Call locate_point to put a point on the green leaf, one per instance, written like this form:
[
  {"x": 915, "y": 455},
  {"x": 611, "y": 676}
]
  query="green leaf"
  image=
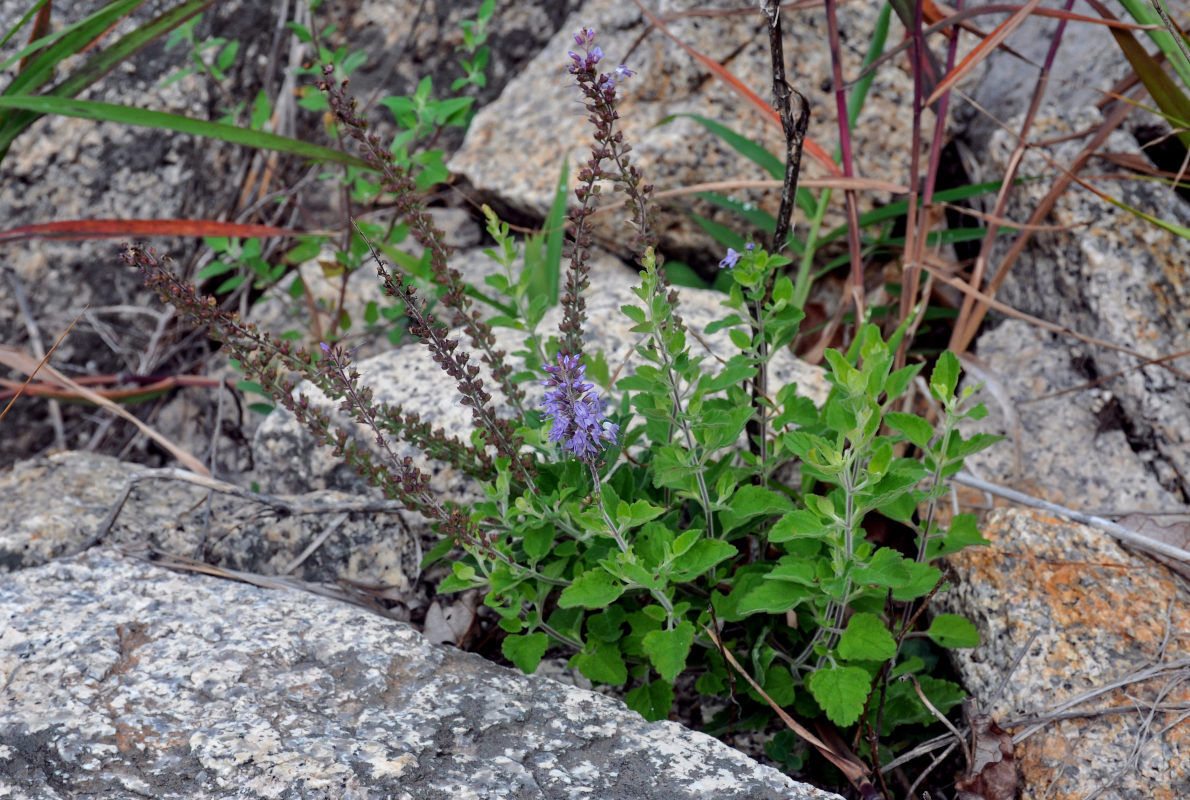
[
  {"x": 866, "y": 639},
  {"x": 605, "y": 625},
  {"x": 736, "y": 372},
  {"x": 700, "y": 558},
  {"x": 887, "y": 568},
  {"x": 952, "y": 630},
  {"x": 652, "y": 700},
  {"x": 525, "y": 651},
  {"x": 538, "y": 541},
  {"x": 604, "y": 665},
  {"x": 841, "y": 692},
  {"x": 945, "y": 377},
  {"x": 922, "y": 580},
  {"x": 740, "y": 339},
  {"x": 773, "y": 597},
  {"x": 719, "y": 428},
  {"x": 904, "y": 707},
  {"x": 801, "y": 524},
  {"x": 595, "y": 588},
  {"x": 753, "y": 501},
  {"x": 964, "y": 532},
  {"x": 899, "y": 380},
  {"x": 127, "y": 115},
  {"x": 638, "y": 513},
  {"x": 794, "y": 570},
  {"x": 917, "y": 429},
  {"x": 778, "y": 684},
  {"x": 667, "y": 650},
  {"x": 634, "y": 313}
]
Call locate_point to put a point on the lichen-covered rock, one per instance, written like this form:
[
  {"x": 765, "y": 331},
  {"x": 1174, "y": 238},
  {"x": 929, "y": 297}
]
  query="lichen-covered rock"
[
  {"x": 122, "y": 679},
  {"x": 1102, "y": 617}
]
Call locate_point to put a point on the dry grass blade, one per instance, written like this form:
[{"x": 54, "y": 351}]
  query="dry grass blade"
[
  {"x": 33, "y": 372},
  {"x": 172, "y": 561},
  {"x": 1014, "y": 163},
  {"x": 23, "y": 362},
  {"x": 965, "y": 328},
  {"x": 942, "y": 273},
  {"x": 1154, "y": 546},
  {"x": 982, "y": 50}
]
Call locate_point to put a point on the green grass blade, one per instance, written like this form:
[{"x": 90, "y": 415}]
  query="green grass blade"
[
  {"x": 1142, "y": 11},
  {"x": 741, "y": 144},
  {"x": 1165, "y": 92},
  {"x": 102, "y": 63},
  {"x": 105, "y": 61},
  {"x": 58, "y": 46},
  {"x": 859, "y": 92},
  {"x": 750, "y": 212},
  {"x": 899, "y": 208},
  {"x": 721, "y": 233},
  {"x": 126, "y": 115},
  {"x": 20, "y": 24}
]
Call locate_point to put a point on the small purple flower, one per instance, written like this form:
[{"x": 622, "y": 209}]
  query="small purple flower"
[
  {"x": 730, "y": 260},
  {"x": 593, "y": 55},
  {"x": 615, "y": 76},
  {"x": 573, "y": 405}
]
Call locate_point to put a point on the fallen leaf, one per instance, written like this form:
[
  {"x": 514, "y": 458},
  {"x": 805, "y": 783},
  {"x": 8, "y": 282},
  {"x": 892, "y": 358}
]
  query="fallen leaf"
[
  {"x": 449, "y": 624},
  {"x": 993, "y": 769}
]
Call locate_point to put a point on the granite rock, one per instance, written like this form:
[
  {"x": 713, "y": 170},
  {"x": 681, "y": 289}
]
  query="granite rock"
[
  {"x": 120, "y": 679},
  {"x": 539, "y": 112},
  {"x": 1101, "y": 616},
  {"x": 1098, "y": 269},
  {"x": 1112, "y": 276},
  {"x": 1069, "y": 448},
  {"x": 55, "y": 506}
]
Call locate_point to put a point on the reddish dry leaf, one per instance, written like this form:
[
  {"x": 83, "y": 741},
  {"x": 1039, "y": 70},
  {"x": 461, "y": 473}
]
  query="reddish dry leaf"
[
  {"x": 108, "y": 228},
  {"x": 981, "y": 51},
  {"x": 993, "y": 773}
]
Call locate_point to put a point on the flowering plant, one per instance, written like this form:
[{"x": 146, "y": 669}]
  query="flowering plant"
[{"x": 698, "y": 515}]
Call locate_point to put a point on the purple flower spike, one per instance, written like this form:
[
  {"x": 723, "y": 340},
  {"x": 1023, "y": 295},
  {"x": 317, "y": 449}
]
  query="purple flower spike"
[
  {"x": 730, "y": 260},
  {"x": 573, "y": 405}
]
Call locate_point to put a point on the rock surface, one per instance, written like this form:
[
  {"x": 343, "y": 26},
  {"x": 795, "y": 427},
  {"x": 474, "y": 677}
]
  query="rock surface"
[
  {"x": 1112, "y": 632},
  {"x": 56, "y": 506},
  {"x": 1072, "y": 448},
  {"x": 1100, "y": 270},
  {"x": 532, "y": 116},
  {"x": 118, "y": 678}
]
